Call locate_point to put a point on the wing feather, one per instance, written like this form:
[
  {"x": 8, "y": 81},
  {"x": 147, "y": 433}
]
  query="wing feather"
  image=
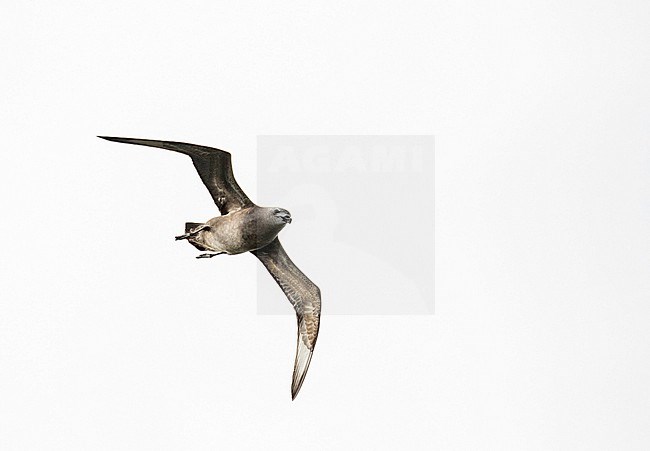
[
  {"x": 305, "y": 298},
  {"x": 214, "y": 167}
]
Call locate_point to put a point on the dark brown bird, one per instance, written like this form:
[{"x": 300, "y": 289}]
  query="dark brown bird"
[{"x": 246, "y": 227}]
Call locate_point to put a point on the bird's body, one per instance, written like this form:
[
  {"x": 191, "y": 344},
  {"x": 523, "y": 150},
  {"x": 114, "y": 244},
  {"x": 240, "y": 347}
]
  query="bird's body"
[
  {"x": 241, "y": 231},
  {"x": 246, "y": 227}
]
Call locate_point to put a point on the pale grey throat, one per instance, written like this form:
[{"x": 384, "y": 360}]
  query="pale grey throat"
[{"x": 246, "y": 227}]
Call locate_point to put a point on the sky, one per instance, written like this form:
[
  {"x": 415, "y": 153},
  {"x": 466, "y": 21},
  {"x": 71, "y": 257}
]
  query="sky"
[{"x": 113, "y": 336}]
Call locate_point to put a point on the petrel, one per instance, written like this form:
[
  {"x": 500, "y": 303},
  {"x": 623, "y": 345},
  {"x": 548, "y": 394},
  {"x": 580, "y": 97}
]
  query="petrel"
[{"x": 246, "y": 227}]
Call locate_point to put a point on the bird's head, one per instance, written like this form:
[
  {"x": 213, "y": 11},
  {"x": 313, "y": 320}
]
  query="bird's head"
[{"x": 281, "y": 215}]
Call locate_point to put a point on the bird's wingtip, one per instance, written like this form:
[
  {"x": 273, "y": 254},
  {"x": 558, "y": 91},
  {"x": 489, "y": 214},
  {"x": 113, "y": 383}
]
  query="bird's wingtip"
[
  {"x": 109, "y": 138},
  {"x": 140, "y": 142},
  {"x": 303, "y": 359}
]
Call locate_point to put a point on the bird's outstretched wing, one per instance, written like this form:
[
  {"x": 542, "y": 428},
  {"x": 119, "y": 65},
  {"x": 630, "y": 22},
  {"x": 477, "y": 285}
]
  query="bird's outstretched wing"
[
  {"x": 304, "y": 295},
  {"x": 213, "y": 166}
]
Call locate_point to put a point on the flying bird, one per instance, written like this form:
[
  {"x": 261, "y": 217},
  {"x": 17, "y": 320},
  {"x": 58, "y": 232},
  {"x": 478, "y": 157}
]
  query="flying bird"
[{"x": 246, "y": 227}]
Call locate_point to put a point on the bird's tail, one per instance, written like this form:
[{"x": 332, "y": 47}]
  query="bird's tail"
[{"x": 191, "y": 225}]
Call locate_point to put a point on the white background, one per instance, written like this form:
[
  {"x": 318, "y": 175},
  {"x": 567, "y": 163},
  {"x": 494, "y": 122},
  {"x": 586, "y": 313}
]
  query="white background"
[
  {"x": 112, "y": 336},
  {"x": 363, "y": 219}
]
